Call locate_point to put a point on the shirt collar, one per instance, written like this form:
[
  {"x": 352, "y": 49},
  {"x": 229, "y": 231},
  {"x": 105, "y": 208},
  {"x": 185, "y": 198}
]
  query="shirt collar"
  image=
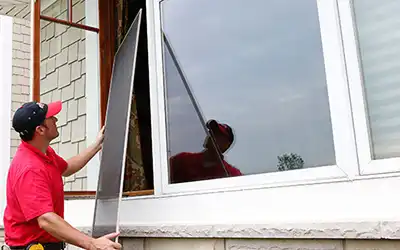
[{"x": 36, "y": 151}]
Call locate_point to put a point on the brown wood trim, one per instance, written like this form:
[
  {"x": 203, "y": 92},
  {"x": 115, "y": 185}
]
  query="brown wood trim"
[
  {"x": 36, "y": 52},
  {"x": 68, "y": 23},
  {"x": 138, "y": 193},
  {"x": 79, "y": 193},
  {"x": 93, "y": 193},
  {"x": 107, "y": 51},
  {"x": 70, "y": 11}
]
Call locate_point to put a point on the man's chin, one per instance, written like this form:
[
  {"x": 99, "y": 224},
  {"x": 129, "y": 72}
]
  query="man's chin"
[{"x": 58, "y": 134}]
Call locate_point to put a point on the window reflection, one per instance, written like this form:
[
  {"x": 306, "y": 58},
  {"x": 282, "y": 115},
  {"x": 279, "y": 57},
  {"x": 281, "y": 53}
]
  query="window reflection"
[{"x": 248, "y": 76}]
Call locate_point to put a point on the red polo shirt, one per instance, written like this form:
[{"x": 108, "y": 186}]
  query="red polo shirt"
[
  {"x": 185, "y": 167},
  {"x": 34, "y": 187}
]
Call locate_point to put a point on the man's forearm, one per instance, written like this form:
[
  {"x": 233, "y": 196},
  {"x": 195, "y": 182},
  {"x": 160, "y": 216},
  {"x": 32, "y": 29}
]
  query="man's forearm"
[
  {"x": 60, "y": 229},
  {"x": 76, "y": 163}
]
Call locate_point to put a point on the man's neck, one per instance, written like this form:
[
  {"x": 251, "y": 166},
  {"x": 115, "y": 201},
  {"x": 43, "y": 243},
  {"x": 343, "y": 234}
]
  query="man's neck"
[
  {"x": 41, "y": 145},
  {"x": 211, "y": 156}
]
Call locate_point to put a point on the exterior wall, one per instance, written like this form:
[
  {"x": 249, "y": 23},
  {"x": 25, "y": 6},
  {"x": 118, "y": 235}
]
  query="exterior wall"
[
  {"x": 63, "y": 77},
  {"x": 1, "y": 236},
  {"x": 16, "y": 81},
  {"x": 20, "y": 72},
  {"x": 239, "y": 244},
  {"x": 255, "y": 244}
]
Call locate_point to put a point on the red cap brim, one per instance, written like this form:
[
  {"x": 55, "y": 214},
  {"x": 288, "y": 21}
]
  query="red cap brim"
[{"x": 53, "y": 109}]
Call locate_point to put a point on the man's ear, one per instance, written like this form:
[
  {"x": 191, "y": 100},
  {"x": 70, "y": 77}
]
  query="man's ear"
[{"x": 39, "y": 130}]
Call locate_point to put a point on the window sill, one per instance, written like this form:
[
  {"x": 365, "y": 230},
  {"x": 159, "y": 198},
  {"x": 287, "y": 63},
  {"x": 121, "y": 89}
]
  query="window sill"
[
  {"x": 330, "y": 230},
  {"x": 362, "y": 208},
  {"x": 79, "y": 195}
]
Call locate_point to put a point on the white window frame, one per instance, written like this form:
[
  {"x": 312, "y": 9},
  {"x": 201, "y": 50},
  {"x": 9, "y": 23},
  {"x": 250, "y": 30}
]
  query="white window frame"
[
  {"x": 340, "y": 111},
  {"x": 368, "y": 165},
  {"x": 92, "y": 90},
  {"x": 251, "y": 212},
  {"x": 6, "y": 65}
]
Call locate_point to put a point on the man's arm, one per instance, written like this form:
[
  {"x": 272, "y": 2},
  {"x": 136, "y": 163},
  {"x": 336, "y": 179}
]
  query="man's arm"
[
  {"x": 76, "y": 163},
  {"x": 60, "y": 229},
  {"x": 32, "y": 190}
]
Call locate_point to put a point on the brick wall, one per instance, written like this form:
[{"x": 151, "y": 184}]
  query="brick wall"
[
  {"x": 63, "y": 77},
  {"x": 20, "y": 69}
]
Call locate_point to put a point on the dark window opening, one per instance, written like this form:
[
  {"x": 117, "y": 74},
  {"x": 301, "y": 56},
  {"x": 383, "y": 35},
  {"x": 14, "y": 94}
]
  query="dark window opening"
[{"x": 139, "y": 161}]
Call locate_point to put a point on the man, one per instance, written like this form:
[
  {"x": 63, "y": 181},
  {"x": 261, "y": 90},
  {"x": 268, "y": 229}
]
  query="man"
[
  {"x": 34, "y": 216},
  {"x": 186, "y": 167}
]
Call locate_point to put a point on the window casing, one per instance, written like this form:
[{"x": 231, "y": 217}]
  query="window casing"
[
  {"x": 355, "y": 34},
  {"x": 347, "y": 103},
  {"x": 340, "y": 112},
  {"x": 248, "y": 201}
]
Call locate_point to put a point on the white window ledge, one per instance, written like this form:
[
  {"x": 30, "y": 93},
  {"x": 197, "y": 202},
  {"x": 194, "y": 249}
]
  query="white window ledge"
[
  {"x": 345, "y": 230},
  {"x": 361, "y": 209}
]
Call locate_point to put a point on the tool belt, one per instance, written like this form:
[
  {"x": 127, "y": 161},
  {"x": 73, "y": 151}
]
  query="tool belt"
[{"x": 41, "y": 246}]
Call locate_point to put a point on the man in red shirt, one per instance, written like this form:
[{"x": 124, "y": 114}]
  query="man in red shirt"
[
  {"x": 34, "y": 215},
  {"x": 186, "y": 167}
]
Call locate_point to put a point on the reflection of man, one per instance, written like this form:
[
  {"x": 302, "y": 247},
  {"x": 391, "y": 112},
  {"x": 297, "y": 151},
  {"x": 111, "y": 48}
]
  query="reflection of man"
[{"x": 185, "y": 167}]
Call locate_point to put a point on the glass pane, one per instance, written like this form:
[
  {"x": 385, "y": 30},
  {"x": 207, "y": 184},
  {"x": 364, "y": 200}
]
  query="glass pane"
[
  {"x": 187, "y": 121},
  {"x": 112, "y": 164},
  {"x": 256, "y": 66},
  {"x": 378, "y": 27},
  {"x": 63, "y": 77}
]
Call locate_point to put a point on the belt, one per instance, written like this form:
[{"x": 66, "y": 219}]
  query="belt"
[{"x": 41, "y": 246}]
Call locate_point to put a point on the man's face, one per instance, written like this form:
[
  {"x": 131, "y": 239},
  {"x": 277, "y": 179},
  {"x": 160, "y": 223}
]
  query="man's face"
[
  {"x": 50, "y": 130},
  {"x": 221, "y": 140}
]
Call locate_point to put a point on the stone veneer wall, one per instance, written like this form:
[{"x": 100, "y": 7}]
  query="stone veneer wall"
[
  {"x": 255, "y": 244},
  {"x": 258, "y": 244},
  {"x": 63, "y": 77}
]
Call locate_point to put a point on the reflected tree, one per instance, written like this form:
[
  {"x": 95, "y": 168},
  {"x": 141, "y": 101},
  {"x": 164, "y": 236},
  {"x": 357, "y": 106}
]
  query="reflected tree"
[{"x": 290, "y": 161}]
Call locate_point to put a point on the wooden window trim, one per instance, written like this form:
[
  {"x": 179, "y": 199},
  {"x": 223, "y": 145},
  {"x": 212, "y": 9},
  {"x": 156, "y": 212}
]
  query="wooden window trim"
[
  {"x": 36, "y": 52},
  {"x": 106, "y": 52},
  {"x": 69, "y": 23},
  {"x": 92, "y": 194}
]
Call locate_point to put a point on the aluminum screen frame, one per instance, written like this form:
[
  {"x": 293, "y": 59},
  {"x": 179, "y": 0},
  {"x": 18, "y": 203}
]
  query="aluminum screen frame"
[
  {"x": 168, "y": 51},
  {"x": 113, "y": 155}
]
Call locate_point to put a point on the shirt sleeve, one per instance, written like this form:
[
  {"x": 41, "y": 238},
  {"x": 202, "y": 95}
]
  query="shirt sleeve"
[
  {"x": 232, "y": 170},
  {"x": 33, "y": 193},
  {"x": 61, "y": 163},
  {"x": 175, "y": 168}
]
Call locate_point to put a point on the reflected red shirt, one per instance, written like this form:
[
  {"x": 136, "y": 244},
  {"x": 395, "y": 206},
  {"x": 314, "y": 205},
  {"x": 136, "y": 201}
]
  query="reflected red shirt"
[
  {"x": 185, "y": 167},
  {"x": 34, "y": 187}
]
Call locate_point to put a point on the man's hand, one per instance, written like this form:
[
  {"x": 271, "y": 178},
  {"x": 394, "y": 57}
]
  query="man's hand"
[
  {"x": 105, "y": 243},
  {"x": 62, "y": 230},
  {"x": 100, "y": 137},
  {"x": 77, "y": 162}
]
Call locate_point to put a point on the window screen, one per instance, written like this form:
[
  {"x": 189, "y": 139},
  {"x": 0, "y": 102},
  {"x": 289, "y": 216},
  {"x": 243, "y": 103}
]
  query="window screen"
[{"x": 112, "y": 163}]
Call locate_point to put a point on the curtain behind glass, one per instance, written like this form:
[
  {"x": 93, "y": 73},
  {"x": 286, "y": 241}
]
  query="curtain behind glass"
[
  {"x": 378, "y": 27},
  {"x": 134, "y": 179}
]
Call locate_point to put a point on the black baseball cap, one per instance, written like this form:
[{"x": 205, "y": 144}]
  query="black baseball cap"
[
  {"x": 221, "y": 128},
  {"x": 32, "y": 114}
]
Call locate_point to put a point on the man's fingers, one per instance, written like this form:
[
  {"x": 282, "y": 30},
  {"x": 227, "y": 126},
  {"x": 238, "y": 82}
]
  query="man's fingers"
[
  {"x": 111, "y": 235},
  {"x": 117, "y": 245}
]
